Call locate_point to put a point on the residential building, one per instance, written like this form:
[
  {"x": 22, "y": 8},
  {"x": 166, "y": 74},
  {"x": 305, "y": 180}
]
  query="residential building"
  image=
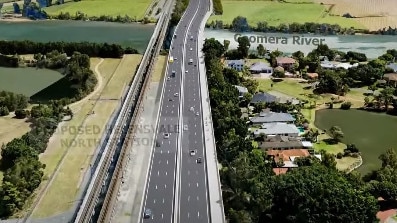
[
  {"x": 235, "y": 64},
  {"x": 312, "y": 76},
  {"x": 241, "y": 91},
  {"x": 263, "y": 98},
  {"x": 271, "y": 117},
  {"x": 260, "y": 67},
  {"x": 286, "y": 158},
  {"x": 392, "y": 66},
  {"x": 391, "y": 78},
  {"x": 286, "y": 62},
  {"x": 277, "y": 128},
  {"x": 332, "y": 65},
  {"x": 284, "y": 142}
]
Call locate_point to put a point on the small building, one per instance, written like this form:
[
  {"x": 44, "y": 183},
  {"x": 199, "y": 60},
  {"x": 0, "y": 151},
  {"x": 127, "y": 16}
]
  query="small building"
[
  {"x": 392, "y": 66},
  {"x": 241, "y": 91},
  {"x": 277, "y": 128},
  {"x": 235, "y": 64},
  {"x": 312, "y": 76},
  {"x": 333, "y": 65},
  {"x": 286, "y": 158},
  {"x": 271, "y": 117},
  {"x": 263, "y": 98},
  {"x": 391, "y": 78},
  {"x": 260, "y": 67},
  {"x": 286, "y": 62}
]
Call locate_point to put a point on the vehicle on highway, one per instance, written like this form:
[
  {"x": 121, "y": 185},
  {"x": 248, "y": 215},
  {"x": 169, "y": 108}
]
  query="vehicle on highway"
[
  {"x": 174, "y": 35},
  {"x": 185, "y": 127},
  {"x": 191, "y": 37},
  {"x": 192, "y": 109},
  {"x": 147, "y": 214},
  {"x": 175, "y": 58},
  {"x": 199, "y": 160},
  {"x": 168, "y": 78},
  {"x": 192, "y": 152},
  {"x": 170, "y": 99},
  {"x": 166, "y": 135},
  {"x": 157, "y": 144},
  {"x": 191, "y": 49},
  {"x": 186, "y": 71},
  {"x": 176, "y": 94},
  {"x": 171, "y": 59},
  {"x": 197, "y": 114},
  {"x": 190, "y": 61}
]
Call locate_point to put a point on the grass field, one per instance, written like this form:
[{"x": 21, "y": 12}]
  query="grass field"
[
  {"x": 159, "y": 69},
  {"x": 62, "y": 192},
  {"x": 275, "y": 13},
  {"x": 374, "y": 14},
  {"x": 133, "y": 8}
]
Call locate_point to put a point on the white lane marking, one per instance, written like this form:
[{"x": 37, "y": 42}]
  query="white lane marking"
[
  {"x": 163, "y": 200},
  {"x": 198, "y": 214},
  {"x": 158, "y": 173},
  {"x": 197, "y": 197},
  {"x": 169, "y": 142},
  {"x": 197, "y": 172},
  {"x": 159, "y": 161},
  {"x": 165, "y": 119},
  {"x": 195, "y": 133},
  {"x": 188, "y": 215},
  {"x": 162, "y": 142},
  {"x": 162, "y": 216},
  {"x": 195, "y": 142},
  {"x": 165, "y": 185},
  {"x": 171, "y": 118},
  {"x": 154, "y": 201},
  {"x": 189, "y": 184},
  {"x": 168, "y": 153},
  {"x": 166, "y": 173},
  {"x": 172, "y": 111},
  {"x": 188, "y": 172},
  {"x": 161, "y": 151},
  {"x": 195, "y": 125},
  {"x": 188, "y": 198},
  {"x": 197, "y": 184},
  {"x": 167, "y": 160}
]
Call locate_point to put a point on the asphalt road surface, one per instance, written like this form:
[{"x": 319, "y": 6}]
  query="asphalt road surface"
[{"x": 170, "y": 182}]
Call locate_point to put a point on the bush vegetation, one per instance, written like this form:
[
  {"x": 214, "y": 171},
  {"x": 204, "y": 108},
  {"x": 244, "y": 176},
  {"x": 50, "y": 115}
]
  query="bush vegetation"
[
  {"x": 218, "y": 9},
  {"x": 179, "y": 9}
]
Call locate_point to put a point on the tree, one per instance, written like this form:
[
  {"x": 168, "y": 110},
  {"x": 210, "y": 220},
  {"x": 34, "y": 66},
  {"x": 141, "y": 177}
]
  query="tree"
[
  {"x": 320, "y": 194},
  {"x": 336, "y": 133},
  {"x": 226, "y": 44},
  {"x": 243, "y": 46},
  {"x": 373, "y": 88},
  {"x": 261, "y": 50},
  {"x": 389, "y": 158},
  {"x": 240, "y": 24}
]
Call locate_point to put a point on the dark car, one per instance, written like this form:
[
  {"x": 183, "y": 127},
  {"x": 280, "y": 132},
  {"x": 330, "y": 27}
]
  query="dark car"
[
  {"x": 199, "y": 160},
  {"x": 147, "y": 214}
]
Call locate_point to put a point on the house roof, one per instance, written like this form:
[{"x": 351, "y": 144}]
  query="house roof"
[
  {"x": 390, "y": 76},
  {"x": 263, "y": 97},
  {"x": 241, "y": 89},
  {"x": 312, "y": 75},
  {"x": 392, "y": 66},
  {"x": 285, "y": 60},
  {"x": 235, "y": 62},
  {"x": 277, "y": 129},
  {"x": 333, "y": 64},
  {"x": 288, "y": 153},
  {"x": 259, "y": 66},
  {"x": 266, "y": 117}
]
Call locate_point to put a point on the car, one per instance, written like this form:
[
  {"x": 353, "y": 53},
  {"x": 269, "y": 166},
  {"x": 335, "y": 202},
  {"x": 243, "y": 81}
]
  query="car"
[
  {"x": 192, "y": 152},
  {"x": 171, "y": 59},
  {"x": 191, "y": 37},
  {"x": 168, "y": 78},
  {"x": 166, "y": 135},
  {"x": 157, "y": 144},
  {"x": 191, "y": 49},
  {"x": 199, "y": 160},
  {"x": 175, "y": 58},
  {"x": 186, "y": 71},
  {"x": 147, "y": 213},
  {"x": 190, "y": 61},
  {"x": 192, "y": 109},
  {"x": 170, "y": 99},
  {"x": 197, "y": 114},
  {"x": 176, "y": 94},
  {"x": 185, "y": 127}
]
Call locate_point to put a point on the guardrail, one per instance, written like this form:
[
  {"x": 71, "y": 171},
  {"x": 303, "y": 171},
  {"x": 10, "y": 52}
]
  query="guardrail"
[
  {"x": 106, "y": 215},
  {"x": 101, "y": 172}
]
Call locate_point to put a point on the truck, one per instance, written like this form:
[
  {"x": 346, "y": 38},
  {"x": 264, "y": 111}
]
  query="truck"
[
  {"x": 171, "y": 59},
  {"x": 190, "y": 61}
]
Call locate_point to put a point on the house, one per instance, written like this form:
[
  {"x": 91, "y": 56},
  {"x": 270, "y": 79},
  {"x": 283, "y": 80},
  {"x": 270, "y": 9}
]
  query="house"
[
  {"x": 277, "y": 128},
  {"x": 286, "y": 158},
  {"x": 271, "y": 117},
  {"x": 260, "y": 67},
  {"x": 281, "y": 142},
  {"x": 264, "y": 98},
  {"x": 391, "y": 78},
  {"x": 235, "y": 64},
  {"x": 241, "y": 91},
  {"x": 312, "y": 76},
  {"x": 286, "y": 62},
  {"x": 332, "y": 65},
  {"x": 392, "y": 66}
]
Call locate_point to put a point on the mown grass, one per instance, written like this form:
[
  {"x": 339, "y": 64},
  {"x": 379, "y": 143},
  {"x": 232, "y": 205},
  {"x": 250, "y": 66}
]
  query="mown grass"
[
  {"x": 133, "y": 8},
  {"x": 276, "y": 13},
  {"x": 159, "y": 68}
]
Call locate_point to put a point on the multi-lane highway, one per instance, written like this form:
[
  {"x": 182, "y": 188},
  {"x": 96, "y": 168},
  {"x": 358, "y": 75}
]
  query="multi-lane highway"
[{"x": 176, "y": 189}]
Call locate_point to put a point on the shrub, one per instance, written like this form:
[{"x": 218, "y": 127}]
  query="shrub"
[
  {"x": 346, "y": 105},
  {"x": 339, "y": 156},
  {"x": 21, "y": 114},
  {"x": 4, "y": 111}
]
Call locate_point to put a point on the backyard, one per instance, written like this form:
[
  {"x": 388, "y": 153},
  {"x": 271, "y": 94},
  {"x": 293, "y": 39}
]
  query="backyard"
[
  {"x": 276, "y": 13},
  {"x": 64, "y": 157},
  {"x": 134, "y": 9}
]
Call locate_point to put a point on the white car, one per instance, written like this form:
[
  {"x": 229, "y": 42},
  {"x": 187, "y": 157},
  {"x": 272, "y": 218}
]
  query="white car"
[
  {"x": 166, "y": 135},
  {"x": 168, "y": 78},
  {"x": 186, "y": 71},
  {"x": 176, "y": 94},
  {"x": 197, "y": 114},
  {"x": 192, "y": 109},
  {"x": 185, "y": 127},
  {"x": 192, "y": 152},
  {"x": 191, "y": 49}
]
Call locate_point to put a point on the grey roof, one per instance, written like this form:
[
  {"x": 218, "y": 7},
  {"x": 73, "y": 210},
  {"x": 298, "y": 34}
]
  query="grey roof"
[
  {"x": 237, "y": 62},
  {"x": 267, "y": 117},
  {"x": 259, "y": 66},
  {"x": 393, "y": 66},
  {"x": 281, "y": 145},
  {"x": 241, "y": 89},
  {"x": 277, "y": 129},
  {"x": 263, "y": 97}
]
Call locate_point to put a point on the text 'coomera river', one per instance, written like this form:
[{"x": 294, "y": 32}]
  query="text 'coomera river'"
[{"x": 296, "y": 40}]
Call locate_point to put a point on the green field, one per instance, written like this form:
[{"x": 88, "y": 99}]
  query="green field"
[
  {"x": 27, "y": 81},
  {"x": 372, "y": 133},
  {"x": 275, "y": 13},
  {"x": 133, "y": 8}
]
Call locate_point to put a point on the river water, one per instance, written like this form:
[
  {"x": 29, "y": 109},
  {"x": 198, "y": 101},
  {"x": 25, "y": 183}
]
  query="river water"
[
  {"x": 372, "y": 45},
  {"x": 134, "y": 35}
]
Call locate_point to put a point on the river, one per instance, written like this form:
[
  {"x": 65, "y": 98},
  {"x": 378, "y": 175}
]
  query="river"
[
  {"x": 372, "y": 45},
  {"x": 134, "y": 35}
]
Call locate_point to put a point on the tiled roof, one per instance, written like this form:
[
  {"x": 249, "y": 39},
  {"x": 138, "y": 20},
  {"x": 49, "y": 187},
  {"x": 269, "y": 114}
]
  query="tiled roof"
[
  {"x": 285, "y": 60},
  {"x": 390, "y": 76},
  {"x": 281, "y": 145},
  {"x": 286, "y": 154}
]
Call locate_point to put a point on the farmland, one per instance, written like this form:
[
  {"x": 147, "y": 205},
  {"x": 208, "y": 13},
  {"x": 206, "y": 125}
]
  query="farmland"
[
  {"x": 373, "y": 14},
  {"x": 134, "y": 9}
]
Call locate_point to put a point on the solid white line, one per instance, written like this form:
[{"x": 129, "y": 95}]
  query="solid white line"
[
  {"x": 163, "y": 200},
  {"x": 197, "y": 197},
  {"x": 156, "y": 187},
  {"x": 154, "y": 201},
  {"x": 167, "y": 160}
]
